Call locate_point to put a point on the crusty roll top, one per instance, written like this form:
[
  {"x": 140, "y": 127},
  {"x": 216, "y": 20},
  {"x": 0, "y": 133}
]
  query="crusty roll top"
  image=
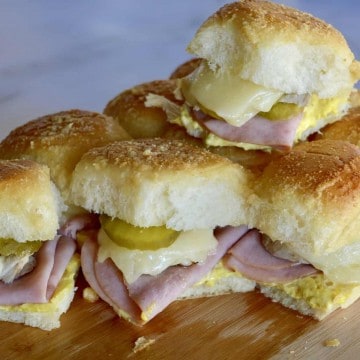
[
  {"x": 28, "y": 201},
  {"x": 59, "y": 140},
  {"x": 277, "y": 47},
  {"x": 310, "y": 197},
  {"x": 161, "y": 182}
]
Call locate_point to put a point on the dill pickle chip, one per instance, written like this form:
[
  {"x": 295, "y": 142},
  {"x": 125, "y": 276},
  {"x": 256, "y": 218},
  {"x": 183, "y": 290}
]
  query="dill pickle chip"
[{"x": 135, "y": 237}]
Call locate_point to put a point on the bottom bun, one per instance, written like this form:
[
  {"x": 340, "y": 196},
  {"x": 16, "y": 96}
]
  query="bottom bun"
[
  {"x": 219, "y": 281},
  {"x": 46, "y": 316},
  {"x": 320, "y": 298}
]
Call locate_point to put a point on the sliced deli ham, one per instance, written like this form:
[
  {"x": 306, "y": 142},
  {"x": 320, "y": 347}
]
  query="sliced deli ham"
[
  {"x": 259, "y": 274},
  {"x": 110, "y": 281},
  {"x": 154, "y": 293},
  {"x": 258, "y": 130},
  {"x": 249, "y": 257},
  {"x": 250, "y": 251},
  {"x": 65, "y": 249},
  {"x": 38, "y": 285},
  {"x": 151, "y": 294}
]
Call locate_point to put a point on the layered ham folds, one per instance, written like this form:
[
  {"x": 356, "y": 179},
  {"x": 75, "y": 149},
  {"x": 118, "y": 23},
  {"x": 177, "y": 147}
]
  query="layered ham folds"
[
  {"x": 249, "y": 257},
  {"x": 146, "y": 297},
  {"x": 258, "y": 130},
  {"x": 39, "y": 285}
]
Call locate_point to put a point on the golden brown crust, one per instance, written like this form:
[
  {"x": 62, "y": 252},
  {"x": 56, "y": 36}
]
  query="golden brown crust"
[
  {"x": 347, "y": 128},
  {"x": 22, "y": 171},
  {"x": 62, "y": 128},
  {"x": 185, "y": 68},
  {"x": 258, "y": 20},
  {"x": 325, "y": 169},
  {"x": 154, "y": 154},
  {"x": 139, "y": 120},
  {"x": 28, "y": 202},
  {"x": 153, "y": 182},
  {"x": 310, "y": 198},
  {"x": 59, "y": 140}
]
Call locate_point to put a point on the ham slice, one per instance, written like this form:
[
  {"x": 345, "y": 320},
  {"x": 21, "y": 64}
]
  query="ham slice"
[
  {"x": 251, "y": 251},
  {"x": 258, "y": 130},
  {"x": 154, "y": 293},
  {"x": 39, "y": 285},
  {"x": 79, "y": 222},
  {"x": 149, "y": 295},
  {"x": 65, "y": 249},
  {"x": 92, "y": 269},
  {"x": 259, "y": 274},
  {"x": 249, "y": 257}
]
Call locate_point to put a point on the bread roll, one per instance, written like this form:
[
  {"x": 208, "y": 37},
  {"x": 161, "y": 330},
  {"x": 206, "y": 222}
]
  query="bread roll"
[
  {"x": 309, "y": 199},
  {"x": 29, "y": 202},
  {"x": 343, "y": 297},
  {"x": 157, "y": 182},
  {"x": 277, "y": 47},
  {"x": 59, "y": 140}
]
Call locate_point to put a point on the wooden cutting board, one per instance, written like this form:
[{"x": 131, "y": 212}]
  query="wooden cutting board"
[{"x": 236, "y": 326}]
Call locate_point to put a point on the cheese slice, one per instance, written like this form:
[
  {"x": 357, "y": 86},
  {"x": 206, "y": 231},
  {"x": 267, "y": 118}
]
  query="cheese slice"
[
  {"x": 190, "y": 247},
  {"x": 233, "y": 99}
]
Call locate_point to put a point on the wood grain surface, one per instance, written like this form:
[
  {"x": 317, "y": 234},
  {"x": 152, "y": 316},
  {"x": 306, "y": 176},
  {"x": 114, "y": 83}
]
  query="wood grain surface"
[{"x": 235, "y": 326}]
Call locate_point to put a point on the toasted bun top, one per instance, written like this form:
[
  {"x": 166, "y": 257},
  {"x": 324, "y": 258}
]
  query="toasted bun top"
[
  {"x": 161, "y": 182},
  {"x": 139, "y": 120},
  {"x": 277, "y": 47},
  {"x": 28, "y": 201},
  {"x": 310, "y": 197},
  {"x": 347, "y": 129},
  {"x": 59, "y": 140}
]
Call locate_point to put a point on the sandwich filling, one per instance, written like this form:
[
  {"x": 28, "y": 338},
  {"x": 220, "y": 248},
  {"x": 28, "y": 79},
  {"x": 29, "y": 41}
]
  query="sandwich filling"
[
  {"x": 137, "y": 251},
  {"x": 33, "y": 278},
  {"x": 280, "y": 273},
  {"x": 225, "y": 110},
  {"x": 139, "y": 298}
]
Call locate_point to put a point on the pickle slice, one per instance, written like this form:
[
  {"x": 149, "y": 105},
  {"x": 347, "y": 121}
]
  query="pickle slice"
[
  {"x": 282, "y": 111},
  {"x": 135, "y": 237}
]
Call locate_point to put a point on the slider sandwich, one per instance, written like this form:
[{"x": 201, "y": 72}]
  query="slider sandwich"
[
  {"x": 169, "y": 212},
  {"x": 270, "y": 76},
  {"x": 304, "y": 248},
  {"x": 37, "y": 266}
]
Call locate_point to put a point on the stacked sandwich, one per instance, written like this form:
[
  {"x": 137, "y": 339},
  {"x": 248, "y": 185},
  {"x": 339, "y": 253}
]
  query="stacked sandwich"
[
  {"x": 37, "y": 266},
  {"x": 197, "y": 185},
  {"x": 263, "y": 79}
]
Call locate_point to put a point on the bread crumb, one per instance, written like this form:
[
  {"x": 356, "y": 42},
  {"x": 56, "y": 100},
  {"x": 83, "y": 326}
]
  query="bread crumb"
[
  {"x": 141, "y": 343},
  {"x": 292, "y": 351},
  {"x": 332, "y": 342},
  {"x": 90, "y": 295}
]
